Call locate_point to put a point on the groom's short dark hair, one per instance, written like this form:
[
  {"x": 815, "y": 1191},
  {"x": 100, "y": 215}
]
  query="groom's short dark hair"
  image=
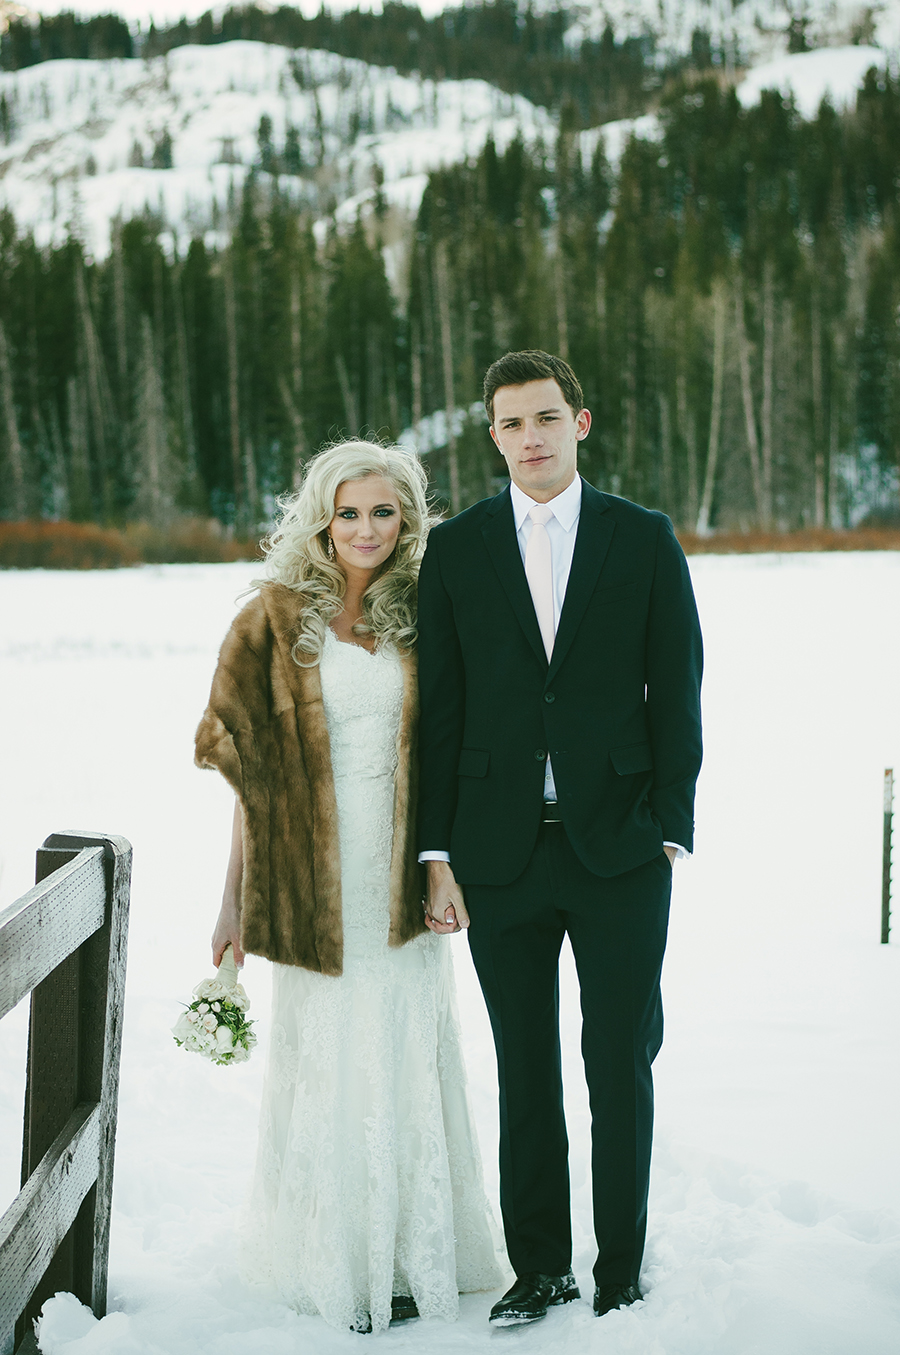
[{"x": 532, "y": 364}]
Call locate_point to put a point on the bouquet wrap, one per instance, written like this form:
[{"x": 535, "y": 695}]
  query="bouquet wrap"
[{"x": 215, "y": 1024}]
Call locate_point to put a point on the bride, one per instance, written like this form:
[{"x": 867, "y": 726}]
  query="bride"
[{"x": 367, "y": 1203}]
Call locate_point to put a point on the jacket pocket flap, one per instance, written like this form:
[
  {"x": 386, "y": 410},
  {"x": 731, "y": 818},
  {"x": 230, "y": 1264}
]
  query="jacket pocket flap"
[
  {"x": 473, "y": 762},
  {"x": 634, "y": 757}
]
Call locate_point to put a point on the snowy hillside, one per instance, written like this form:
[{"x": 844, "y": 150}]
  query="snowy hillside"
[
  {"x": 93, "y": 139},
  {"x": 749, "y": 30},
  {"x": 753, "y": 30}
]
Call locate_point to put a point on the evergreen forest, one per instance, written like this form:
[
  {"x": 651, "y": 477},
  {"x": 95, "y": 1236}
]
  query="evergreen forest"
[{"x": 729, "y": 295}]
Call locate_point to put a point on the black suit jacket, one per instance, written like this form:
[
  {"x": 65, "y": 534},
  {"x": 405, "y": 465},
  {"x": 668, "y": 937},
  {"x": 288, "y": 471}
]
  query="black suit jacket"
[{"x": 617, "y": 708}]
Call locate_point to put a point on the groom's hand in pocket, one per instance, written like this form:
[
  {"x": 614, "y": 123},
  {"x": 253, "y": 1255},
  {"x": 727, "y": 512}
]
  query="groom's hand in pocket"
[{"x": 445, "y": 908}]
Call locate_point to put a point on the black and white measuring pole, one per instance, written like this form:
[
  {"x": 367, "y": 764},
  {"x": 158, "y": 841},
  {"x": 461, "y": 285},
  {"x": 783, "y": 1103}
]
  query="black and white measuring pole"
[{"x": 886, "y": 856}]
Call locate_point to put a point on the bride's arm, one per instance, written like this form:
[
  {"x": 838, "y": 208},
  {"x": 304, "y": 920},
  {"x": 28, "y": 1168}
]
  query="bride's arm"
[{"x": 228, "y": 925}]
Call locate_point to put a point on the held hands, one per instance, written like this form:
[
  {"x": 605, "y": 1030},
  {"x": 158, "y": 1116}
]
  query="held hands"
[
  {"x": 671, "y": 853},
  {"x": 445, "y": 909}
]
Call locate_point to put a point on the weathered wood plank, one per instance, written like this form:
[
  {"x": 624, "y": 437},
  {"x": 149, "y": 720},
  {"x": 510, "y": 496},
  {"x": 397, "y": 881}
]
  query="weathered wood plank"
[
  {"x": 39, "y": 930},
  {"x": 44, "y": 1210},
  {"x": 103, "y": 961}
]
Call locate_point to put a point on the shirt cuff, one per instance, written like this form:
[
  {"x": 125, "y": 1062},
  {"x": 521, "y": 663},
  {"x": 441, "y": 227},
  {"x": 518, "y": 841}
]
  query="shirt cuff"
[
  {"x": 435, "y": 856},
  {"x": 679, "y": 850}
]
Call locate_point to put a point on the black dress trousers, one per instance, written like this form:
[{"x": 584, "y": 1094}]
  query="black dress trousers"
[{"x": 617, "y": 929}]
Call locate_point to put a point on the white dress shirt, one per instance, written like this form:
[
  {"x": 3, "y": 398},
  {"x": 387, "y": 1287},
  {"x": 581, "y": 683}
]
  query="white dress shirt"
[{"x": 562, "y": 529}]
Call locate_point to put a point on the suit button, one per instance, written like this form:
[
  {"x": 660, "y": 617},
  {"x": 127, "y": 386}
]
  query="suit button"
[
  {"x": 540, "y": 755},
  {"x": 549, "y": 698}
]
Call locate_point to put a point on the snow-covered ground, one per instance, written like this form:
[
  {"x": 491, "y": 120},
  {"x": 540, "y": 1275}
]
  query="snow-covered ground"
[
  {"x": 78, "y": 126},
  {"x": 775, "y": 1207},
  {"x": 833, "y": 72}
]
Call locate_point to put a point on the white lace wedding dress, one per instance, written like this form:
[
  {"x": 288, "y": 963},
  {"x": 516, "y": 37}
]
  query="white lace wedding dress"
[{"x": 368, "y": 1178}]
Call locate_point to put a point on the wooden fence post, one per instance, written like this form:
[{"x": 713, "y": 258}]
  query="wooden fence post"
[
  {"x": 886, "y": 856},
  {"x": 73, "y": 939}
]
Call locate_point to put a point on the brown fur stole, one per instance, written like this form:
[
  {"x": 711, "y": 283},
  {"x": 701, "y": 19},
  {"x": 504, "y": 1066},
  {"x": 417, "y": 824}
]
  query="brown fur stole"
[{"x": 265, "y": 730}]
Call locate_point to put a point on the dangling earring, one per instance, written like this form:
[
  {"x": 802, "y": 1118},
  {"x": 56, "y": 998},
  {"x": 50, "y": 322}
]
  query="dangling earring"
[{"x": 330, "y": 549}]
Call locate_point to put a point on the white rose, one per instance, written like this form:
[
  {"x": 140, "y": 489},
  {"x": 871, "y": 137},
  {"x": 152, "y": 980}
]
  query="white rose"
[
  {"x": 192, "y": 1017},
  {"x": 210, "y": 1023},
  {"x": 224, "y": 1039},
  {"x": 203, "y": 1008},
  {"x": 182, "y": 1028},
  {"x": 217, "y": 1006}
]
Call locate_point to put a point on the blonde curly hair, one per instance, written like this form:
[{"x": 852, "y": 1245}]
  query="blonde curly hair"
[{"x": 297, "y": 550}]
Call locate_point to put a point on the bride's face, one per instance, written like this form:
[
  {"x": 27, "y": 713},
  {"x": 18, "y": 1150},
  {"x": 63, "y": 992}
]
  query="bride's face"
[{"x": 366, "y": 523}]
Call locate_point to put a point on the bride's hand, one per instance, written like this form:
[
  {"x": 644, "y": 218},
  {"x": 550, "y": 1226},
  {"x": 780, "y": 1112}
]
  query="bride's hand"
[
  {"x": 227, "y": 929},
  {"x": 445, "y": 908}
]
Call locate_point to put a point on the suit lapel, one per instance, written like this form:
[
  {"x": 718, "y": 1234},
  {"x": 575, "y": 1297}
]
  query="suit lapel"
[
  {"x": 595, "y": 531},
  {"x": 499, "y": 534}
]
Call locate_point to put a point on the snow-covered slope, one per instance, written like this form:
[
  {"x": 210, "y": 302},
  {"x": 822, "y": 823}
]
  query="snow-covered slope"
[
  {"x": 79, "y": 126},
  {"x": 749, "y": 31},
  {"x": 92, "y": 140}
]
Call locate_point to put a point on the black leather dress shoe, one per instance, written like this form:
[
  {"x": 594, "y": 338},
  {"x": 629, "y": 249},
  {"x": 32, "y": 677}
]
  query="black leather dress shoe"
[
  {"x": 531, "y": 1296},
  {"x": 609, "y": 1296},
  {"x": 403, "y": 1308}
]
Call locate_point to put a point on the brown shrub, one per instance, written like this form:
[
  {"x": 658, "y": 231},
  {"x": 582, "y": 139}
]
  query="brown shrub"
[
  {"x": 83, "y": 545},
  {"x": 63, "y": 545},
  {"x": 188, "y": 541},
  {"x": 811, "y": 539}
]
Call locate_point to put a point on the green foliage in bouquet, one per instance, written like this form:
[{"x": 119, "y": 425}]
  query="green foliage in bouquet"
[{"x": 215, "y": 1023}]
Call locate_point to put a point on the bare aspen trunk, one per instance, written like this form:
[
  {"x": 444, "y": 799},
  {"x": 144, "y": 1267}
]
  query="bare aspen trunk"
[
  {"x": 665, "y": 438},
  {"x": 687, "y": 429},
  {"x": 562, "y": 318},
  {"x": 293, "y": 395},
  {"x": 153, "y": 499},
  {"x": 819, "y": 447},
  {"x": 252, "y": 485},
  {"x": 631, "y": 419},
  {"x": 715, "y": 420},
  {"x": 97, "y": 388},
  {"x": 442, "y": 292},
  {"x": 120, "y": 319},
  {"x": 374, "y": 377},
  {"x": 234, "y": 412},
  {"x": 768, "y": 391},
  {"x": 62, "y": 506},
  {"x": 393, "y": 399},
  {"x": 15, "y": 460},
  {"x": 415, "y": 359},
  {"x": 834, "y": 420},
  {"x": 80, "y": 498},
  {"x": 191, "y": 471},
  {"x": 293, "y": 414},
  {"x": 351, "y": 412},
  {"x": 747, "y": 398}
]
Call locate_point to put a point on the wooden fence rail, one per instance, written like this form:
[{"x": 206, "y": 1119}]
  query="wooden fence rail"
[{"x": 65, "y": 943}]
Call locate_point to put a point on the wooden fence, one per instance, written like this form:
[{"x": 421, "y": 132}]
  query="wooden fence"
[{"x": 65, "y": 942}]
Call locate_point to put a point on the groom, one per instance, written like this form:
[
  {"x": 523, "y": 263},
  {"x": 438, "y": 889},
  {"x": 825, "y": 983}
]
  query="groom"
[{"x": 560, "y": 662}]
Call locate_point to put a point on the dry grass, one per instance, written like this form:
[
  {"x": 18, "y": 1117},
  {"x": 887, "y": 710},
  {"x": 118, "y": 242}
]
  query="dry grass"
[
  {"x": 83, "y": 545},
  {"x": 811, "y": 539},
  {"x": 63, "y": 545}
]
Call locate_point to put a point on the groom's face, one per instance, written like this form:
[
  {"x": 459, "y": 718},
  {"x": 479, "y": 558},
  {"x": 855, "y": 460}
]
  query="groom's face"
[{"x": 538, "y": 435}]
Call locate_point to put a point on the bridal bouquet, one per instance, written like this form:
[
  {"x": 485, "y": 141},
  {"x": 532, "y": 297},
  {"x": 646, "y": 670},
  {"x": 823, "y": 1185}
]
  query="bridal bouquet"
[{"x": 215, "y": 1024}]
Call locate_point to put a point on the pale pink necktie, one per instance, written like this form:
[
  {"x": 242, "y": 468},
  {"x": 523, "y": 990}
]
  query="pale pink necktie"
[{"x": 539, "y": 572}]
